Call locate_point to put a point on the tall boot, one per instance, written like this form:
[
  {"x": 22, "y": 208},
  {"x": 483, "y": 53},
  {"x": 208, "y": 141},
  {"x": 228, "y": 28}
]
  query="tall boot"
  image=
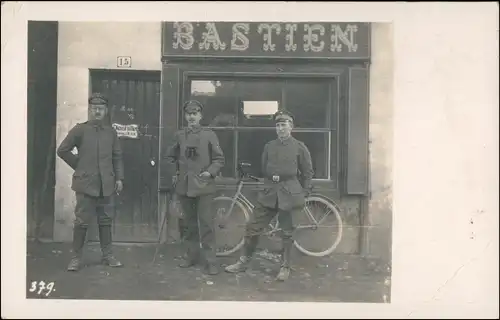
[
  {"x": 285, "y": 260},
  {"x": 210, "y": 267},
  {"x": 192, "y": 256},
  {"x": 79, "y": 234},
  {"x": 248, "y": 250},
  {"x": 105, "y": 240}
]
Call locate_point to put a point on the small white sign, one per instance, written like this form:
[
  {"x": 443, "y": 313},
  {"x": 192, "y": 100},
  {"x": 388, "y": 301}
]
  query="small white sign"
[
  {"x": 124, "y": 62},
  {"x": 127, "y": 130},
  {"x": 260, "y": 108}
]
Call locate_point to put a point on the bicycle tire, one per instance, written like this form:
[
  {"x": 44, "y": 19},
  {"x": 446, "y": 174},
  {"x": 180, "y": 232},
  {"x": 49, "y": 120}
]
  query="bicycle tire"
[
  {"x": 332, "y": 206},
  {"x": 246, "y": 214}
]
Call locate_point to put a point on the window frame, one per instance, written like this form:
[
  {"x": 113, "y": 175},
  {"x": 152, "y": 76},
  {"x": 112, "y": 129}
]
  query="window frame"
[{"x": 335, "y": 95}]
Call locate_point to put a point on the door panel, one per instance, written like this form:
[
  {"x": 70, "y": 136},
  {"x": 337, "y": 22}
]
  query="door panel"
[{"x": 134, "y": 103}]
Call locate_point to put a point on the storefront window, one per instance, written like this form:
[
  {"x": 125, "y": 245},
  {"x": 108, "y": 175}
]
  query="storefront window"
[
  {"x": 250, "y": 146},
  {"x": 240, "y": 113},
  {"x": 308, "y": 100}
]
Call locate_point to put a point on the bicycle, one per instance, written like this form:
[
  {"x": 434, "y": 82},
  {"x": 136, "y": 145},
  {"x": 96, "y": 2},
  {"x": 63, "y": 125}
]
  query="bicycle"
[{"x": 244, "y": 208}]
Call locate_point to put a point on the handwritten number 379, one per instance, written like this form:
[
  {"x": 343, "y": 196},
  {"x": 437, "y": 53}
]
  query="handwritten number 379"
[{"x": 41, "y": 286}]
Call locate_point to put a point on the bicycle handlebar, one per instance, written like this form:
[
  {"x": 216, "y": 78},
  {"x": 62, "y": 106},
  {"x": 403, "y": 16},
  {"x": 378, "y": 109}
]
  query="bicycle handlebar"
[
  {"x": 243, "y": 175},
  {"x": 253, "y": 178}
]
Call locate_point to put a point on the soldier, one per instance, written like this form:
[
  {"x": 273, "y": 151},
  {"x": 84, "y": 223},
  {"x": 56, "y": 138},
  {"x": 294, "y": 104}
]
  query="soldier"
[
  {"x": 199, "y": 159},
  {"x": 288, "y": 171},
  {"x": 98, "y": 174}
]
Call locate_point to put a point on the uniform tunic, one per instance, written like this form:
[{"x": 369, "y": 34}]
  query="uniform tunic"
[
  {"x": 97, "y": 166},
  {"x": 290, "y": 160},
  {"x": 209, "y": 157},
  {"x": 196, "y": 193},
  {"x": 99, "y": 161}
]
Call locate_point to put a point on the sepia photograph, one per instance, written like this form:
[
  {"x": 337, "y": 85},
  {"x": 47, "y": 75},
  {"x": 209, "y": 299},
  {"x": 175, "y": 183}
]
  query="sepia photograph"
[
  {"x": 255, "y": 158},
  {"x": 239, "y": 161}
]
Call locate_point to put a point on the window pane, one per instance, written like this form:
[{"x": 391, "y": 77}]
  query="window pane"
[
  {"x": 309, "y": 101},
  {"x": 259, "y": 100},
  {"x": 251, "y": 102},
  {"x": 318, "y": 144},
  {"x": 220, "y": 104},
  {"x": 226, "y": 142},
  {"x": 240, "y": 102},
  {"x": 250, "y": 146}
]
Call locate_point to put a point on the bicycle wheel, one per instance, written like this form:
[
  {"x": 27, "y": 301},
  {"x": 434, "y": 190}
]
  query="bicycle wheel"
[
  {"x": 318, "y": 228},
  {"x": 229, "y": 234}
]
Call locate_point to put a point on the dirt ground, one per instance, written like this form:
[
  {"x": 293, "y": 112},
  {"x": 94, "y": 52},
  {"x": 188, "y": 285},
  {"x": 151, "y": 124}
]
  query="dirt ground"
[{"x": 337, "y": 278}]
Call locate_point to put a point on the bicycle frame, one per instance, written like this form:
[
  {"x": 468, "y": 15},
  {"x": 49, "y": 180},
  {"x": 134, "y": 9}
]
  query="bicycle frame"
[
  {"x": 239, "y": 199},
  {"x": 314, "y": 223},
  {"x": 310, "y": 215},
  {"x": 239, "y": 196}
]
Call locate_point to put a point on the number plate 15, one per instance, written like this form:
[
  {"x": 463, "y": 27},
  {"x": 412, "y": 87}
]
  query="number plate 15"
[{"x": 124, "y": 62}]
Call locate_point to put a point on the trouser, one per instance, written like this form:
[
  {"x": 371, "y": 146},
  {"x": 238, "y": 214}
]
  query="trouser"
[
  {"x": 261, "y": 218},
  {"x": 198, "y": 227},
  {"x": 87, "y": 208},
  {"x": 182, "y": 228}
]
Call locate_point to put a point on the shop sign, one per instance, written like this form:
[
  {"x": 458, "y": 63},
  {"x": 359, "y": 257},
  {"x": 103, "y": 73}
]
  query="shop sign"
[{"x": 336, "y": 40}]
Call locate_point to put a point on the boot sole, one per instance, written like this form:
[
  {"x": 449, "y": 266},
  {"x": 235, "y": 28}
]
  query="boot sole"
[
  {"x": 185, "y": 265},
  {"x": 235, "y": 271},
  {"x": 74, "y": 267},
  {"x": 112, "y": 265},
  {"x": 211, "y": 273},
  {"x": 280, "y": 279}
]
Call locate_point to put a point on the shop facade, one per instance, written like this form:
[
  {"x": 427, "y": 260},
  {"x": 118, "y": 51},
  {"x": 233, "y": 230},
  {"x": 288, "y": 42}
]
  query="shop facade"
[{"x": 336, "y": 78}]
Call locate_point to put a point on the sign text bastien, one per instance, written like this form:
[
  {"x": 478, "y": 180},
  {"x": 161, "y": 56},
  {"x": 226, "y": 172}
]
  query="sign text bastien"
[{"x": 326, "y": 40}]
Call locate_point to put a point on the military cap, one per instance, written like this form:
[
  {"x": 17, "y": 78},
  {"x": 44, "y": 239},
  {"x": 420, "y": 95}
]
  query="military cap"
[
  {"x": 193, "y": 106},
  {"x": 98, "y": 98},
  {"x": 283, "y": 115}
]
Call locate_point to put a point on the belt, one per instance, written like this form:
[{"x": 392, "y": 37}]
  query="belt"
[{"x": 276, "y": 178}]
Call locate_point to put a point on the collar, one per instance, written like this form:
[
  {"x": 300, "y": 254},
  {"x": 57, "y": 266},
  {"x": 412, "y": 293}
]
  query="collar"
[
  {"x": 286, "y": 141},
  {"x": 193, "y": 129},
  {"x": 96, "y": 123}
]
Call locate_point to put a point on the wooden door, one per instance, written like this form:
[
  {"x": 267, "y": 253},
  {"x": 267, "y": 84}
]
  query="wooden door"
[
  {"x": 41, "y": 120},
  {"x": 134, "y": 111}
]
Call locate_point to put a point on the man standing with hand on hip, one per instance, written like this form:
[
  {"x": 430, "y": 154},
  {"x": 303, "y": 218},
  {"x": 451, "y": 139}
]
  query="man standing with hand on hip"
[
  {"x": 288, "y": 171},
  {"x": 98, "y": 175},
  {"x": 199, "y": 159}
]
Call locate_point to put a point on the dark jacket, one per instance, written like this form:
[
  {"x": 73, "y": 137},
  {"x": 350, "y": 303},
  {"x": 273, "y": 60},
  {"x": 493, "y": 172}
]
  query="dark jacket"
[
  {"x": 291, "y": 161},
  {"x": 98, "y": 163},
  {"x": 209, "y": 157}
]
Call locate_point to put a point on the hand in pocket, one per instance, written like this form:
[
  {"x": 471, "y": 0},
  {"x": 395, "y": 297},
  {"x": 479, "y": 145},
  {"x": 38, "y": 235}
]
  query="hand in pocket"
[{"x": 205, "y": 174}]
